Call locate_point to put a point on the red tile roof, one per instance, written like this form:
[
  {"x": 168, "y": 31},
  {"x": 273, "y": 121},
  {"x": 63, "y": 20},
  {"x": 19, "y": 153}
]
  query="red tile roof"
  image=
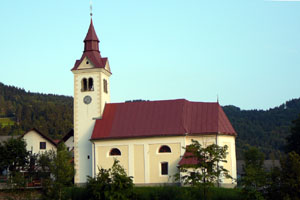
[
  {"x": 188, "y": 159},
  {"x": 161, "y": 118},
  {"x": 91, "y": 50}
]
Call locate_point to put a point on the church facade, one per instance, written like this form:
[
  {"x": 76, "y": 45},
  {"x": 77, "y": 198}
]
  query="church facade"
[{"x": 147, "y": 137}]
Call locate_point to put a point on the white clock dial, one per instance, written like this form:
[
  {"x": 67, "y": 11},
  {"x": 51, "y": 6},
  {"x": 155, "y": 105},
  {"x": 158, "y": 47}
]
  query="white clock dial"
[{"x": 87, "y": 99}]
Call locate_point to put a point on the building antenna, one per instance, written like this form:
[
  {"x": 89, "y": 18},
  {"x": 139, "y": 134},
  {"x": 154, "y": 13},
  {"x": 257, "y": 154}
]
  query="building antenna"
[
  {"x": 217, "y": 98},
  {"x": 91, "y": 8}
]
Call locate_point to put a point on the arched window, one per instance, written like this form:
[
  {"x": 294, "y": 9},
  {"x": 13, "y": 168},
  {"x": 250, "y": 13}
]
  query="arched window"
[
  {"x": 91, "y": 84},
  {"x": 84, "y": 84},
  {"x": 164, "y": 149},
  {"x": 115, "y": 152}
]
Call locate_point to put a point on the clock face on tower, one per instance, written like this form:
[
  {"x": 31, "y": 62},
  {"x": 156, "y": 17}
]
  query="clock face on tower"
[{"x": 87, "y": 99}]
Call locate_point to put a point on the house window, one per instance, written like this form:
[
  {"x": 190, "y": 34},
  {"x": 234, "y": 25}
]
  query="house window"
[
  {"x": 115, "y": 152},
  {"x": 105, "y": 85},
  {"x": 42, "y": 145},
  {"x": 164, "y": 149},
  {"x": 91, "y": 84},
  {"x": 84, "y": 84},
  {"x": 164, "y": 168}
]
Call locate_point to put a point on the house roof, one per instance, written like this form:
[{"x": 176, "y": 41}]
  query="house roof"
[
  {"x": 91, "y": 50},
  {"x": 41, "y": 134},
  {"x": 161, "y": 118},
  {"x": 268, "y": 165},
  {"x": 68, "y": 135}
]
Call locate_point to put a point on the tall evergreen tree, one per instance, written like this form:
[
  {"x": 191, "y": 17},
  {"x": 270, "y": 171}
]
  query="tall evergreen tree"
[{"x": 293, "y": 140}]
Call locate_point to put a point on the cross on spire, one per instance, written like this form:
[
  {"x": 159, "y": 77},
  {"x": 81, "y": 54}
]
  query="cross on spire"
[{"x": 91, "y": 8}]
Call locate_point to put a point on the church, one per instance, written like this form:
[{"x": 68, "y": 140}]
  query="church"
[{"x": 147, "y": 137}]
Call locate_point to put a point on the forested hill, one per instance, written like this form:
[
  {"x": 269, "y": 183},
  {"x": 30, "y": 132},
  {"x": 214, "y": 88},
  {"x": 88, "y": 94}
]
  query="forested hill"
[
  {"x": 21, "y": 111},
  {"x": 265, "y": 129},
  {"x": 53, "y": 115}
]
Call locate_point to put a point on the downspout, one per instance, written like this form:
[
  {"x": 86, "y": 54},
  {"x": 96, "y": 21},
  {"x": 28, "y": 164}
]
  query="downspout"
[
  {"x": 94, "y": 159},
  {"x": 218, "y": 161}
]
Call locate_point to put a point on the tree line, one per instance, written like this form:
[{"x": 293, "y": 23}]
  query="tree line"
[
  {"x": 53, "y": 116},
  {"x": 50, "y": 114},
  {"x": 279, "y": 182}
]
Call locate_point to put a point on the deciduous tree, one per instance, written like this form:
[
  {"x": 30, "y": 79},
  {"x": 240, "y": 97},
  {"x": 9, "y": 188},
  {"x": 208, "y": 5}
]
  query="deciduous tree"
[
  {"x": 254, "y": 179},
  {"x": 208, "y": 169}
]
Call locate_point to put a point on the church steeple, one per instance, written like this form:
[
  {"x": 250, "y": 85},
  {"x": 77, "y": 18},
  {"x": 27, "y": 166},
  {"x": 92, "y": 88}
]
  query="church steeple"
[
  {"x": 91, "y": 52},
  {"x": 91, "y": 93},
  {"x": 91, "y": 41}
]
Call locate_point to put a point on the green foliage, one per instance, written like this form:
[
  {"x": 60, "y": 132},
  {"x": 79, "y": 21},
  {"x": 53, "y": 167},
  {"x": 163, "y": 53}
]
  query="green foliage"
[
  {"x": 266, "y": 129},
  {"x": 255, "y": 176},
  {"x": 164, "y": 193},
  {"x": 76, "y": 193},
  {"x": 6, "y": 121},
  {"x": 290, "y": 176},
  {"x": 61, "y": 169},
  {"x": 293, "y": 140},
  {"x": 13, "y": 155},
  {"x": 51, "y": 114},
  {"x": 110, "y": 183},
  {"x": 186, "y": 193},
  {"x": 207, "y": 170}
]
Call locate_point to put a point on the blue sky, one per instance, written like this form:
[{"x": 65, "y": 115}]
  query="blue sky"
[{"x": 245, "y": 51}]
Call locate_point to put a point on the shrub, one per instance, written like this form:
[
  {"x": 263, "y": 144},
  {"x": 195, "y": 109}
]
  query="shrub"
[{"x": 110, "y": 183}]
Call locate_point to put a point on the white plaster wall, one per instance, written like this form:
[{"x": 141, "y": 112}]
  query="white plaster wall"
[
  {"x": 151, "y": 160},
  {"x": 33, "y": 139},
  {"x": 70, "y": 143},
  {"x": 148, "y": 144},
  {"x": 84, "y": 118},
  {"x": 231, "y": 166}
]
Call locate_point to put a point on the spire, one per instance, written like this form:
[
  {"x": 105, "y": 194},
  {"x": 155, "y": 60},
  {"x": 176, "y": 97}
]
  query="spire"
[{"x": 91, "y": 41}]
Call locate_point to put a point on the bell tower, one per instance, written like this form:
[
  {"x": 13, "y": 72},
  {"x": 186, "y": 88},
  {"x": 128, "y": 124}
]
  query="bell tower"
[{"x": 91, "y": 93}]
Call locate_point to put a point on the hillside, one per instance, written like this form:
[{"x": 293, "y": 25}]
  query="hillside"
[
  {"x": 265, "y": 129},
  {"x": 53, "y": 115},
  {"x": 21, "y": 110}
]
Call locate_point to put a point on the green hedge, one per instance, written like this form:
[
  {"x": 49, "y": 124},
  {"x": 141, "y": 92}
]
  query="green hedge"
[
  {"x": 186, "y": 193},
  {"x": 166, "y": 193}
]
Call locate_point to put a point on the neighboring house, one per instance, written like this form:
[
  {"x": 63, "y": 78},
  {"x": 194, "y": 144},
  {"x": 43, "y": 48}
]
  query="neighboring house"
[
  {"x": 147, "y": 137},
  {"x": 38, "y": 142},
  {"x": 4, "y": 138},
  {"x": 68, "y": 139},
  {"x": 268, "y": 165}
]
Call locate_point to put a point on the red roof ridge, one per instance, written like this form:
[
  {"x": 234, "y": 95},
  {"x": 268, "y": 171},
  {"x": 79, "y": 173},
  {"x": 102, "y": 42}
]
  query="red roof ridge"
[
  {"x": 164, "y": 100},
  {"x": 161, "y": 118}
]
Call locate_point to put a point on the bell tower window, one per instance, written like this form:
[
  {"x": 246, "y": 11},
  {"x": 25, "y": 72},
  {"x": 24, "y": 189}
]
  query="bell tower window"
[
  {"x": 84, "y": 84},
  {"x": 87, "y": 84},
  {"x": 91, "y": 84},
  {"x": 105, "y": 85}
]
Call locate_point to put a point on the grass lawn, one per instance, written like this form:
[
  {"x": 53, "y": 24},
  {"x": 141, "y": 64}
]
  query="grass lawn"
[
  {"x": 186, "y": 193},
  {"x": 6, "y": 121}
]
